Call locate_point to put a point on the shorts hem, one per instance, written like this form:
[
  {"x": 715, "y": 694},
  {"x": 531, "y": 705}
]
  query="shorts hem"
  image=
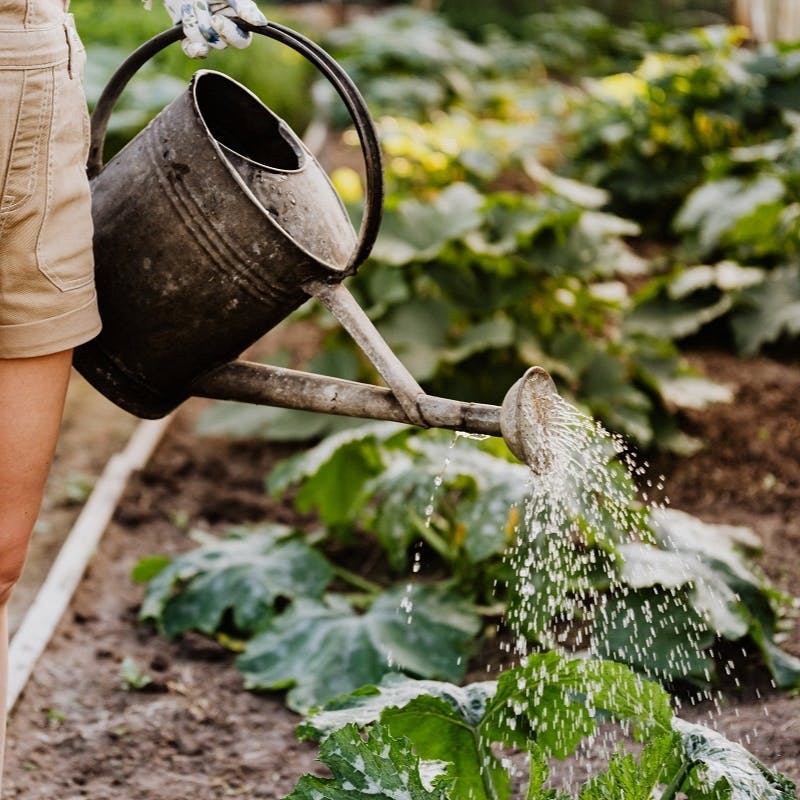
[{"x": 52, "y": 335}]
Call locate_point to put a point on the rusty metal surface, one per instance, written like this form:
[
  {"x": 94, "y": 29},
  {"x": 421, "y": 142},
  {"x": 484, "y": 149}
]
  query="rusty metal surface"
[
  {"x": 191, "y": 268},
  {"x": 212, "y": 226},
  {"x": 286, "y": 388}
]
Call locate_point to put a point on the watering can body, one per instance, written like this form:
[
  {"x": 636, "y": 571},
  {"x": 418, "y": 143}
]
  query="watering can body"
[
  {"x": 212, "y": 226},
  {"x": 207, "y": 226}
]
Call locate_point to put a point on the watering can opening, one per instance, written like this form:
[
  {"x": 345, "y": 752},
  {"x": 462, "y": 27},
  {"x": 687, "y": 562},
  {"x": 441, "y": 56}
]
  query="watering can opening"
[
  {"x": 275, "y": 170},
  {"x": 243, "y": 126}
]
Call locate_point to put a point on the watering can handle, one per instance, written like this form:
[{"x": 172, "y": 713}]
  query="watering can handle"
[{"x": 326, "y": 65}]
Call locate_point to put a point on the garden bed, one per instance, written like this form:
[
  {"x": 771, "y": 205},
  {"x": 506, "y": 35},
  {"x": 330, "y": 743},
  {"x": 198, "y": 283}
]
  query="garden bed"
[{"x": 80, "y": 731}]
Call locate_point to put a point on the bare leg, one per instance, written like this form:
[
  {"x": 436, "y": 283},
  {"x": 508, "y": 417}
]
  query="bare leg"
[{"x": 32, "y": 394}]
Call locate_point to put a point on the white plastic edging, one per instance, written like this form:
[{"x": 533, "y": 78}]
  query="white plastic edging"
[{"x": 55, "y": 594}]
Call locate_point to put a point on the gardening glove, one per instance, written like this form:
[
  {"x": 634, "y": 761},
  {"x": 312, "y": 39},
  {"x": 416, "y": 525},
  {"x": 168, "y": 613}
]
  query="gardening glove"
[{"x": 207, "y": 23}]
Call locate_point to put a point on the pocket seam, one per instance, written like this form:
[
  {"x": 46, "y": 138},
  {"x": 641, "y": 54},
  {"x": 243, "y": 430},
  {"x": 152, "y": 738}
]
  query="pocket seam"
[
  {"x": 49, "y": 272},
  {"x": 29, "y": 189}
]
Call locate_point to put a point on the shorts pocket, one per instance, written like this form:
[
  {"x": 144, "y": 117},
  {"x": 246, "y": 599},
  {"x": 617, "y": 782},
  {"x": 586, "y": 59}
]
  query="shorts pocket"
[
  {"x": 64, "y": 248},
  {"x": 27, "y": 100}
]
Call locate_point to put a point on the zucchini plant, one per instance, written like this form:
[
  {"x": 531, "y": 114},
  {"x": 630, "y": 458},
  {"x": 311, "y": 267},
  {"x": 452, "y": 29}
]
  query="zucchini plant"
[
  {"x": 459, "y": 553},
  {"x": 432, "y": 740}
]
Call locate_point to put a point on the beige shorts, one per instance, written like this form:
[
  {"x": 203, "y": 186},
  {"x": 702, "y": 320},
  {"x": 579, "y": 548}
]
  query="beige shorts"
[{"x": 47, "y": 295}]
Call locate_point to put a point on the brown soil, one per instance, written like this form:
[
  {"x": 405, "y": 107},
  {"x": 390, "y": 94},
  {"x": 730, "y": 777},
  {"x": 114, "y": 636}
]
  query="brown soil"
[{"x": 79, "y": 733}]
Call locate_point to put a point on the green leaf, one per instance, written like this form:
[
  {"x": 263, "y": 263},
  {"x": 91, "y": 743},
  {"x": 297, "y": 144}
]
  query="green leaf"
[
  {"x": 489, "y": 520},
  {"x": 132, "y": 675},
  {"x": 711, "y": 596},
  {"x": 552, "y": 699},
  {"x": 332, "y": 474},
  {"x": 692, "y": 391},
  {"x": 608, "y": 390},
  {"x": 244, "y": 420},
  {"x": 657, "y": 631},
  {"x": 147, "y": 568},
  {"x": 490, "y": 334},
  {"x": 400, "y": 497},
  {"x": 677, "y": 319},
  {"x": 726, "y": 589},
  {"x": 439, "y": 733},
  {"x": 726, "y": 767},
  {"x": 538, "y": 777},
  {"x": 784, "y": 667},
  {"x": 244, "y": 575},
  {"x": 416, "y": 231},
  {"x": 381, "y": 768},
  {"x": 440, "y": 719},
  {"x": 624, "y": 778},
  {"x": 325, "y": 649},
  {"x": 727, "y": 276},
  {"x": 366, "y": 704},
  {"x": 556, "y": 700},
  {"x": 768, "y": 311},
  {"x": 712, "y": 210},
  {"x": 417, "y": 332},
  {"x": 579, "y": 193}
]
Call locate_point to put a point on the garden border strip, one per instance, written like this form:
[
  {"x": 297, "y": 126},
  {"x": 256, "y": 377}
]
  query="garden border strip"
[{"x": 51, "y": 601}]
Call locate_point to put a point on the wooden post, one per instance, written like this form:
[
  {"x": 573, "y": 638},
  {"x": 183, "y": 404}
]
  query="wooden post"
[{"x": 770, "y": 20}]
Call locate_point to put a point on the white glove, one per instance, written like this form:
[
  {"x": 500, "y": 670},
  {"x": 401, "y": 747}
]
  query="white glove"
[{"x": 207, "y": 23}]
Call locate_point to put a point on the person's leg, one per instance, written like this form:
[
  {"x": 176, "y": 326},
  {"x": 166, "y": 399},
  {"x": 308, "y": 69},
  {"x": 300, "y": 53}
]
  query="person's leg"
[{"x": 32, "y": 394}]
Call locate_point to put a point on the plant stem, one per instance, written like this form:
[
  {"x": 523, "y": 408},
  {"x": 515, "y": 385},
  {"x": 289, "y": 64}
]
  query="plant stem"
[
  {"x": 433, "y": 539},
  {"x": 671, "y": 792},
  {"x": 496, "y": 610},
  {"x": 358, "y": 581}
]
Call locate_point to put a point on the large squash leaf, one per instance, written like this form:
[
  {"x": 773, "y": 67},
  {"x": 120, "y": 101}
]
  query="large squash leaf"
[
  {"x": 716, "y": 207},
  {"x": 396, "y": 690},
  {"x": 657, "y": 632},
  {"x": 726, "y": 769},
  {"x": 244, "y": 574},
  {"x": 733, "y": 598},
  {"x": 417, "y": 230},
  {"x": 441, "y": 720},
  {"x": 325, "y": 649},
  {"x": 768, "y": 311},
  {"x": 556, "y": 702},
  {"x": 546, "y": 706},
  {"x": 381, "y": 767}
]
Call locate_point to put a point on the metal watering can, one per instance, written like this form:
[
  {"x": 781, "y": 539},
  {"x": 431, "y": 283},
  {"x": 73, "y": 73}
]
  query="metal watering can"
[{"x": 215, "y": 223}]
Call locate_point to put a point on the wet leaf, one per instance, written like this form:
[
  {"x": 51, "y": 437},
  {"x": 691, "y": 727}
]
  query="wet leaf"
[
  {"x": 331, "y": 474},
  {"x": 245, "y": 575},
  {"x": 727, "y": 769},
  {"x": 366, "y": 704},
  {"x": 557, "y": 700},
  {"x": 325, "y": 649},
  {"x": 381, "y": 767},
  {"x": 552, "y": 700},
  {"x": 624, "y": 778},
  {"x": 657, "y": 631},
  {"x": 440, "y": 719}
]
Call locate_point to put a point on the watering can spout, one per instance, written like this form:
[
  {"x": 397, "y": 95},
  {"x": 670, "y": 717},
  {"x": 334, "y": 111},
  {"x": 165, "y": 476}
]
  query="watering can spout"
[{"x": 523, "y": 419}]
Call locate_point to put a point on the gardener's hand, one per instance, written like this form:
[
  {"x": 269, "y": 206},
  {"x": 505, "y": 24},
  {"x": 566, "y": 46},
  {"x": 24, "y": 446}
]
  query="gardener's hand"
[{"x": 207, "y": 23}]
